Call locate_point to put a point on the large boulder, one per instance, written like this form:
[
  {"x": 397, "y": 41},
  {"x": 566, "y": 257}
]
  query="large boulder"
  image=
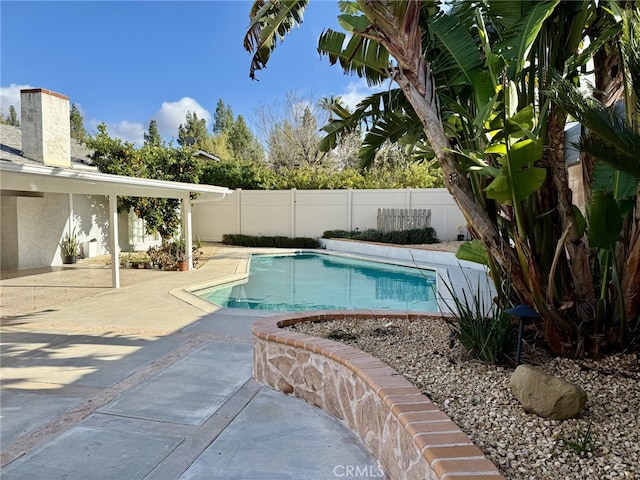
[{"x": 546, "y": 395}]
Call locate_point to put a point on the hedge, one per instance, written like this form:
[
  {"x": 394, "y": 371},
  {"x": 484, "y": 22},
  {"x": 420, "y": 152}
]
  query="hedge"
[
  {"x": 401, "y": 237},
  {"x": 275, "y": 242}
]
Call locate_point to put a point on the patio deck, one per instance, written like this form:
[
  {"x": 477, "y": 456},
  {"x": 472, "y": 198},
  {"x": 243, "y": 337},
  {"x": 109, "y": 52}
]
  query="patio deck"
[{"x": 137, "y": 383}]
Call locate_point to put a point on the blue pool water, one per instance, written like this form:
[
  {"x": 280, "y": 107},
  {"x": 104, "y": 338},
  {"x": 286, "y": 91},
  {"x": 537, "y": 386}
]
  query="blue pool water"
[{"x": 311, "y": 281}]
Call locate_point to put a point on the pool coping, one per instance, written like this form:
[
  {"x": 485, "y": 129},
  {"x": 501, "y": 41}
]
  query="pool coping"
[{"x": 401, "y": 427}]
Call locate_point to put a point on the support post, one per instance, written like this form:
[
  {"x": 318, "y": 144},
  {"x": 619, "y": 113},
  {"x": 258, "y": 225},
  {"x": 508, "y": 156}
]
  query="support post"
[
  {"x": 70, "y": 220},
  {"x": 186, "y": 227},
  {"x": 115, "y": 249}
]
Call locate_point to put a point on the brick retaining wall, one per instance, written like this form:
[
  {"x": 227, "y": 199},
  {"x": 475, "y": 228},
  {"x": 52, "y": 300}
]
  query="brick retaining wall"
[{"x": 406, "y": 432}]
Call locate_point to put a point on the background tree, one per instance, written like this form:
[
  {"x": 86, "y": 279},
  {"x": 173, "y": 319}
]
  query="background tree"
[
  {"x": 220, "y": 147},
  {"x": 11, "y": 118},
  {"x": 152, "y": 136},
  {"x": 344, "y": 154},
  {"x": 290, "y": 130},
  {"x": 161, "y": 215},
  {"x": 77, "y": 124},
  {"x": 196, "y": 128},
  {"x": 243, "y": 143},
  {"x": 244, "y": 174},
  {"x": 222, "y": 118}
]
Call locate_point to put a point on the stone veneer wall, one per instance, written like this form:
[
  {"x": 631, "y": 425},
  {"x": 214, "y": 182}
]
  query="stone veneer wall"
[{"x": 402, "y": 428}]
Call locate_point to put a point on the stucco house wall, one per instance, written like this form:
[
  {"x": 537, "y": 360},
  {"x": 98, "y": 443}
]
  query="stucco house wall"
[
  {"x": 8, "y": 239},
  {"x": 33, "y": 225},
  {"x": 40, "y": 222}
]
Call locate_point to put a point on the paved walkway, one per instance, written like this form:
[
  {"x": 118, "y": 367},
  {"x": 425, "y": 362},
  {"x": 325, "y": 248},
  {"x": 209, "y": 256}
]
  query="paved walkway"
[{"x": 136, "y": 383}]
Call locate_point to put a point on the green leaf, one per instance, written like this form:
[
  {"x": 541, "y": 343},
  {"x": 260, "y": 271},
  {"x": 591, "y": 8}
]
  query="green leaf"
[
  {"x": 473, "y": 251},
  {"x": 516, "y": 49},
  {"x": 605, "y": 221},
  {"x": 608, "y": 179},
  {"x": 524, "y": 183},
  {"x": 270, "y": 22},
  {"x": 366, "y": 58},
  {"x": 581, "y": 222},
  {"x": 483, "y": 87},
  {"x": 353, "y": 23},
  {"x": 524, "y": 152},
  {"x": 500, "y": 190},
  {"x": 527, "y": 181},
  {"x": 524, "y": 118},
  {"x": 511, "y": 99},
  {"x": 500, "y": 149},
  {"x": 616, "y": 142},
  {"x": 457, "y": 40}
]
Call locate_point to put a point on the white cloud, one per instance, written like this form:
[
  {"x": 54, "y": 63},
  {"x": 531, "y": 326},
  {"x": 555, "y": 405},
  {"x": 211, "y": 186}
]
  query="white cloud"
[
  {"x": 128, "y": 131},
  {"x": 172, "y": 114},
  {"x": 11, "y": 96},
  {"x": 357, "y": 91},
  {"x": 125, "y": 130}
]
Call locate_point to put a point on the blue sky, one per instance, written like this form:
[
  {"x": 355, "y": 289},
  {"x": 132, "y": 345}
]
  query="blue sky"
[{"x": 127, "y": 62}]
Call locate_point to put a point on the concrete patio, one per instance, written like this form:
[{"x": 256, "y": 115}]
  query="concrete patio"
[{"x": 137, "y": 383}]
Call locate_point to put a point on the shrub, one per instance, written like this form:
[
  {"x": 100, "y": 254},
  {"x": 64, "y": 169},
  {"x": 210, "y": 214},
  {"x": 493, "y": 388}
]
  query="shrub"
[
  {"x": 483, "y": 329},
  {"x": 167, "y": 255},
  {"x": 338, "y": 234},
  {"x": 400, "y": 237},
  {"x": 275, "y": 242}
]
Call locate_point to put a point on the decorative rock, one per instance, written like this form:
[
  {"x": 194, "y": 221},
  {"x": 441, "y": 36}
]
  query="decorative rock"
[{"x": 546, "y": 395}]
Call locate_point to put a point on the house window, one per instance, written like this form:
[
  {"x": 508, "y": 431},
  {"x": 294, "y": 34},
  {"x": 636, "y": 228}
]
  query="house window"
[{"x": 138, "y": 238}]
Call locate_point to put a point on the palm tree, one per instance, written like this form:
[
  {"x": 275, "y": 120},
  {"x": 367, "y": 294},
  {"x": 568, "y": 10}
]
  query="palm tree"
[
  {"x": 472, "y": 87},
  {"x": 331, "y": 104}
]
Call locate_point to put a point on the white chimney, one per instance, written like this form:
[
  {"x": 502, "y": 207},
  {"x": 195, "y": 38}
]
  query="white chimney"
[{"x": 46, "y": 129}]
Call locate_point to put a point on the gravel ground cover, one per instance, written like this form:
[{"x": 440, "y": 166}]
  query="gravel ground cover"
[{"x": 604, "y": 443}]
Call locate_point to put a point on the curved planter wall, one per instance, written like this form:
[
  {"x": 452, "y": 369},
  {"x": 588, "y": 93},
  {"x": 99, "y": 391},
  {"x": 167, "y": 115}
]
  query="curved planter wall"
[{"x": 402, "y": 428}]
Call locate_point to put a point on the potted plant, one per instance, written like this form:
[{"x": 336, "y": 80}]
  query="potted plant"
[
  {"x": 460, "y": 229},
  {"x": 69, "y": 247},
  {"x": 182, "y": 260},
  {"x": 179, "y": 254},
  {"x": 183, "y": 265}
]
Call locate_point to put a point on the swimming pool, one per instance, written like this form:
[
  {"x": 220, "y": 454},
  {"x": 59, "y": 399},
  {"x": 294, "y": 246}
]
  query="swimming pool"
[{"x": 317, "y": 281}]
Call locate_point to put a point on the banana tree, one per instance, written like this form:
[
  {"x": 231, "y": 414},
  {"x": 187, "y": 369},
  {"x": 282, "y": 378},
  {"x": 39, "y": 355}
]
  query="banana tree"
[
  {"x": 613, "y": 213},
  {"x": 464, "y": 76}
]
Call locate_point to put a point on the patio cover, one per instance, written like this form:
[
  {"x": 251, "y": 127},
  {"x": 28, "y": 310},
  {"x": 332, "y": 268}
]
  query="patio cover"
[{"x": 27, "y": 179}]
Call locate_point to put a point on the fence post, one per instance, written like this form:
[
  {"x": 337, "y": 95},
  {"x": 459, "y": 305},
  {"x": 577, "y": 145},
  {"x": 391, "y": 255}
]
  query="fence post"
[
  {"x": 238, "y": 210},
  {"x": 292, "y": 212},
  {"x": 350, "y": 209}
]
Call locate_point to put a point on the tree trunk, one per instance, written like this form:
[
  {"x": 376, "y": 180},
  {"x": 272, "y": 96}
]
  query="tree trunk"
[
  {"x": 631, "y": 274},
  {"x": 414, "y": 77},
  {"x": 577, "y": 253}
]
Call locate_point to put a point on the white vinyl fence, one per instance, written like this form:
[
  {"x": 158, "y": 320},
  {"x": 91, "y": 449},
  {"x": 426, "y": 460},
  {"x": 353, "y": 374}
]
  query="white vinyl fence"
[{"x": 309, "y": 213}]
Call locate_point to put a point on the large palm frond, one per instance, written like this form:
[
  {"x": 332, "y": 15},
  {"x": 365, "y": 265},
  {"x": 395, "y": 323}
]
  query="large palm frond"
[
  {"x": 393, "y": 128},
  {"x": 271, "y": 21},
  {"x": 361, "y": 56},
  {"x": 458, "y": 42},
  {"x": 368, "y": 111},
  {"x": 622, "y": 141}
]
